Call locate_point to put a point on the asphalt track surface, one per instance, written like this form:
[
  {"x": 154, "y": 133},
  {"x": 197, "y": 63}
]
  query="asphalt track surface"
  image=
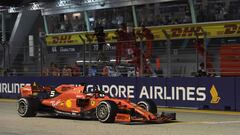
[{"x": 190, "y": 122}]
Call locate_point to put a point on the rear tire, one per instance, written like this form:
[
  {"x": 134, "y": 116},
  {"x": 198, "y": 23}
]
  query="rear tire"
[
  {"x": 148, "y": 105},
  {"x": 27, "y": 107},
  {"x": 106, "y": 111}
]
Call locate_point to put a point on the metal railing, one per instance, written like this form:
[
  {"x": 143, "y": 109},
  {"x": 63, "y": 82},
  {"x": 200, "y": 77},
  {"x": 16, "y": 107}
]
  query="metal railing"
[{"x": 184, "y": 61}]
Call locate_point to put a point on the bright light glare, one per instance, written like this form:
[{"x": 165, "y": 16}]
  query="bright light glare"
[
  {"x": 12, "y": 10},
  {"x": 63, "y": 3},
  {"x": 35, "y": 6}
]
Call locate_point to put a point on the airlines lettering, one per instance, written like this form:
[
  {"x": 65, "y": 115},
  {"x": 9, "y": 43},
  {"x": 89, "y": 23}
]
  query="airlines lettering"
[
  {"x": 175, "y": 93},
  {"x": 12, "y": 88},
  {"x": 156, "y": 92}
]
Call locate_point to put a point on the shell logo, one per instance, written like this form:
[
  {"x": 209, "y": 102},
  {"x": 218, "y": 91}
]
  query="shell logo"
[
  {"x": 68, "y": 103},
  {"x": 93, "y": 103}
]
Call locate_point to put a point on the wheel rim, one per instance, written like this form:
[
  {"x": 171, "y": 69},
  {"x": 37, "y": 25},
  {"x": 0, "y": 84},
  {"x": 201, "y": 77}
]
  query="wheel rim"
[
  {"x": 102, "y": 111},
  {"x": 22, "y": 107}
]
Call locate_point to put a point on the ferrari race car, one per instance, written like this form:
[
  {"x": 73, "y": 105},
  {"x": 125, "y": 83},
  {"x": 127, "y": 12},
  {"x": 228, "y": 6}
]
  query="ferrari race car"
[{"x": 75, "y": 101}]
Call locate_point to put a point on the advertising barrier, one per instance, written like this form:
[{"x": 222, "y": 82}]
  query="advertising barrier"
[
  {"x": 201, "y": 93},
  {"x": 237, "y": 94},
  {"x": 180, "y": 31},
  {"x": 221, "y": 93}
]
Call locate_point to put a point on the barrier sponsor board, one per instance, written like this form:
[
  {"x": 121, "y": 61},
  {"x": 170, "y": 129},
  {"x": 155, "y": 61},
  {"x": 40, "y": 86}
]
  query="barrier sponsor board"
[
  {"x": 221, "y": 92},
  {"x": 182, "y": 31},
  {"x": 211, "y": 93},
  {"x": 237, "y": 94}
]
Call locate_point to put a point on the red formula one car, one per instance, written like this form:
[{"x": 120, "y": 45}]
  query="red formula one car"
[{"x": 75, "y": 101}]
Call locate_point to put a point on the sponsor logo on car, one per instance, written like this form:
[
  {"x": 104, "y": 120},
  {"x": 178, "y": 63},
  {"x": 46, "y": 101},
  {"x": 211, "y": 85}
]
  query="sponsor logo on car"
[{"x": 68, "y": 103}]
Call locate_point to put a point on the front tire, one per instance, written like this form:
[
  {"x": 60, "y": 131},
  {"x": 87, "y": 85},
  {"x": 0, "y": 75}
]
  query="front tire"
[
  {"x": 148, "y": 105},
  {"x": 27, "y": 107},
  {"x": 106, "y": 111}
]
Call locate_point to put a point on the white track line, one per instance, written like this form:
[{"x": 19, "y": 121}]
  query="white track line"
[{"x": 208, "y": 122}]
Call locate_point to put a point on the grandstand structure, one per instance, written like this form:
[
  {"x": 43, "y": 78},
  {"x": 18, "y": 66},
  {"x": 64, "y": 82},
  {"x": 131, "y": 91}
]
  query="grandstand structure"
[{"x": 186, "y": 34}]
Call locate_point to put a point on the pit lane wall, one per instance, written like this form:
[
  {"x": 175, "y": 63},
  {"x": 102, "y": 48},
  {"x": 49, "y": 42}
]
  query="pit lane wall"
[{"x": 201, "y": 93}]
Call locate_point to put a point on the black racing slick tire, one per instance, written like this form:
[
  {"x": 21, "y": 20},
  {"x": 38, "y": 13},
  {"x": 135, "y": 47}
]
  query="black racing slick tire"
[
  {"x": 148, "y": 105},
  {"x": 27, "y": 107},
  {"x": 106, "y": 111}
]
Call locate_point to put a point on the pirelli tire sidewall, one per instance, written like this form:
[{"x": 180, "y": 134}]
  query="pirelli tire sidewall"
[
  {"x": 148, "y": 105},
  {"x": 106, "y": 111},
  {"x": 27, "y": 107}
]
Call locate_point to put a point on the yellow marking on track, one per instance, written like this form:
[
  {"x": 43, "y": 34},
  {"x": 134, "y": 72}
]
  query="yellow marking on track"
[{"x": 8, "y": 100}]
